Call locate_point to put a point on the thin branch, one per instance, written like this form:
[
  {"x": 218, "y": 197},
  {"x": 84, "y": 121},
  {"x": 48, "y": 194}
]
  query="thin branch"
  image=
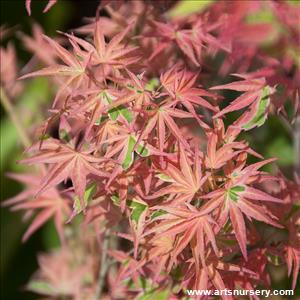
[
  {"x": 104, "y": 263},
  {"x": 6, "y": 103}
]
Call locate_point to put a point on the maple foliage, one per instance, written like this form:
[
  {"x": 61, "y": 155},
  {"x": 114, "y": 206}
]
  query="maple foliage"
[{"x": 144, "y": 153}]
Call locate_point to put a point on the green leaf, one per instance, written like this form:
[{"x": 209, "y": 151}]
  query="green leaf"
[
  {"x": 188, "y": 7},
  {"x": 100, "y": 120},
  {"x": 157, "y": 213},
  {"x": 142, "y": 150},
  {"x": 129, "y": 154},
  {"x": 276, "y": 260},
  {"x": 233, "y": 192},
  {"x": 261, "y": 115},
  {"x": 88, "y": 195},
  {"x": 116, "y": 111},
  {"x": 115, "y": 199},
  {"x": 238, "y": 189},
  {"x": 152, "y": 84},
  {"x": 126, "y": 113},
  {"x": 137, "y": 209},
  {"x": 113, "y": 113},
  {"x": 41, "y": 287},
  {"x": 164, "y": 177}
]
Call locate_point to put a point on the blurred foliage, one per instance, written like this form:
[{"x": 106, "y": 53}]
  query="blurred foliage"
[{"x": 18, "y": 261}]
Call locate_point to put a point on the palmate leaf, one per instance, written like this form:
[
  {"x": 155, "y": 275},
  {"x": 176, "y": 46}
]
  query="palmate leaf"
[
  {"x": 161, "y": 120},
  {"x": 211, "y": 274},
  {"x": 180, "y": 85},
  {"x": 45, "y": 206},
  {"x": 256, "y": 96},
  {"x": 74, "y": 68},
  {"x": 189, "y": 41},
  {"x": 219, "y": 156},
  {"x": 188, "y": 226},
  {"x": 134, "y": 93},
  {"x": 67, "y": 163},
  {"x": 73, "y": 65},
  {"x": 233, "y": 203},
  {"x": 114, "y": 54},
  {"x": 242, "y": 101},
  {"x": 185, "y": 181}
]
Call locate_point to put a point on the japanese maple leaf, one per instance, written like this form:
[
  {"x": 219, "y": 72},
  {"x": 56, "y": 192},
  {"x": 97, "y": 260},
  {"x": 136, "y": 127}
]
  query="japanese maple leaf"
[
  {"x": 169, "y": 34},
  {"x": 255, "y": 97},
  {"x": 48, "y": 204},
  {"x": 186, "y": 40},
  {"x": 188, "y": 226},
  {"x": 134, "y": 92},
  {"x": 113, "y": 53},
  {"x": 67, "y": 163},
  {"x": 190, "y": 41},
  {"x": 139, "y": 87},
  {"x": 257, "y": 262},
  {"x": 55, "y": 272},
  {"x": 74, "y": 68},
  {"x": 122, "y": 149},
  {"x": 180, "y": 85},
  {"x": 160, "y": 119},
  {"x": 203, "y": 277},
  {"x": 108, "y": 129},
  {"x": 47, "y": 8},
  {"x": 130, "y": 270},
  {"x": 159, "y": 253},
  {"x": 216, "y": 158},
  {"x": 185, "y": 180},
  {"x": 38, "y": 45},
  {"x": 233, "y": 202}
]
